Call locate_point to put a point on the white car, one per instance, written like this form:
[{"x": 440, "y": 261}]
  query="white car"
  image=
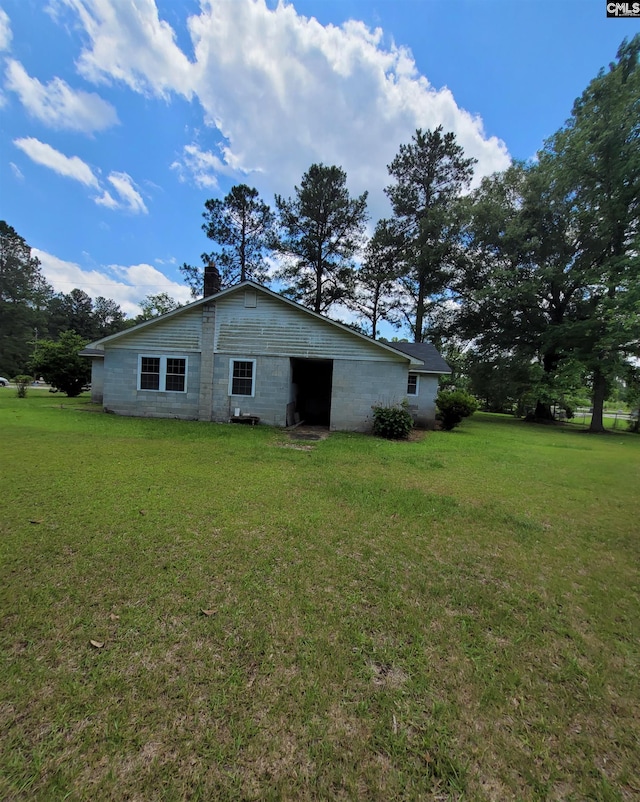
[{"x": 4, "y": 382}]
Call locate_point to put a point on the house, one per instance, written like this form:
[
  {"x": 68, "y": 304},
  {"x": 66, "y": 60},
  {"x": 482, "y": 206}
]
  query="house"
[
  {"x": 422, "y": 381},
  {"x": 247, "y": 353}
]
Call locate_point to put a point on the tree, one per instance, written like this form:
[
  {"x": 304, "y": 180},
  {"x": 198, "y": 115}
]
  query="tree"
[
  {"x": 595, "y": 159},
  {"x": 554, "y": 266},
  {"x": 155, "y": 305},
  {"x": 242, "y": 227},
  {"x": 430, "y": 174},
  {"x": 24, "y": 294},
  {"x": 518, "y": 284},
  {"x": 375, "y": 298},
  {"x": 241, "y": 224},
  {"x": 60, "y": 363},
  {"x": 108, "y": 317},
  {"x": 72, "y": 312},
  {"x": 321, "y": 229},
  {"x": 76, "y": 311}
]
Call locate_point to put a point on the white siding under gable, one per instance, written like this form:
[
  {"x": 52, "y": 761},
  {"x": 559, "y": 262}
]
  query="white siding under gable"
[
  {"x": 275, "y": 328},
  {"x": 181, "y": 332}
]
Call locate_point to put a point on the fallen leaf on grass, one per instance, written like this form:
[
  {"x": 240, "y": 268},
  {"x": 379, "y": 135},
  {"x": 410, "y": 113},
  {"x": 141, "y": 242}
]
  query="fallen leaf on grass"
[
  {"x": 97, "y": 644},
  {"x": 143, "y": 512},
  {"x": 208, "y": 612},
  {"x": 34, "y": 521},
  {"x": 114, "y": 617}
]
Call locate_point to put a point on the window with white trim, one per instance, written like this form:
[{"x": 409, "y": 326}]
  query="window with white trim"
[
  {"x": 412, "y": 384},
  {"x": 162, "y": 373},
  {"x": 242, "y": 377}
]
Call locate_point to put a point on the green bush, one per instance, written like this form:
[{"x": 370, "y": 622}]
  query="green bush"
[
  {"x": 454, "y": 406},
  {"x": 393, "y": 422},
  {"x": 61, "y": 364},
  {"x": 22, "y": 383}
]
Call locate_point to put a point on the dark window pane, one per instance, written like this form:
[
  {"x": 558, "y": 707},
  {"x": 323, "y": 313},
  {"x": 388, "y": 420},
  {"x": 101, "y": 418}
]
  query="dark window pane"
[
  {"x": 150, "y": 373},
  {"x": 176, "y": 369},
  {"x": 150, "y": 364},
  {"x": 242, "y": 382},
  {"x": 149, "y": 381},
  {"x": 412, "y": 385}
]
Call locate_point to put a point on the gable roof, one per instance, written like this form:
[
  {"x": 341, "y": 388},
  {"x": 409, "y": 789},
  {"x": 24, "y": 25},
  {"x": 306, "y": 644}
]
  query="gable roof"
[
  {"x": 431, "y": 359},
  {"x": 95, "y": 349}
]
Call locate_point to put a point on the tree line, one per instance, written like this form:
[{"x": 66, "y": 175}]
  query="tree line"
[
  {"x": 32, "y": 313},
  {"x": 528, "y": 283}
]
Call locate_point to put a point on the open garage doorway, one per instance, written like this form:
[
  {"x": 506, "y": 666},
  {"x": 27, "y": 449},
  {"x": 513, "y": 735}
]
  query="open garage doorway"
[{"x": 311, "y": 391}]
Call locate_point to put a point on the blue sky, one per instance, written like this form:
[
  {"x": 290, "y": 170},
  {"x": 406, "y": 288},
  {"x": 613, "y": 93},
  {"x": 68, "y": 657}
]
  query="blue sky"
[{"x": 121, "y": 117}]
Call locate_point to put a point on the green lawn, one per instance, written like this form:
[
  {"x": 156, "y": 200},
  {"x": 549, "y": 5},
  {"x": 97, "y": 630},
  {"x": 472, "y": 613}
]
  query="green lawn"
[{"x": 451, "y": 618}]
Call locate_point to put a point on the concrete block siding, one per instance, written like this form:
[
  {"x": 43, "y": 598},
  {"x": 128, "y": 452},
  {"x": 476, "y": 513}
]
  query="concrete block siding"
[
  {"x": 358, "y": 386},
  {"x": 121, "y": 394},
  {"x": 272, "y": 382}
]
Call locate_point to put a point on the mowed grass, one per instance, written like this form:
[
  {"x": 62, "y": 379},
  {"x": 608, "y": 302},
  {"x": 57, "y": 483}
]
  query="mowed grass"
[{"x": 450, "y": 618}]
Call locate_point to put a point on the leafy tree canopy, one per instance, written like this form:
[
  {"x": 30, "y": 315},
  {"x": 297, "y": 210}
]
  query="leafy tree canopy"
[
  {"x": 24, "y": 295},
  {"x": 321, "y": 229},
  {"x": 155, "y": 305},
  {"x": 241, "y": 225},
  {"x": 429, "y": 175},
  {"x": 60, "y": 363}
]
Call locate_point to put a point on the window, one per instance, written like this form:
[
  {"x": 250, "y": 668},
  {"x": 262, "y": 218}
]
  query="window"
[
  {"x": 162, "y": 373},
  {"x": 176, "y": 374},
  {"x": 412, "y": 384},
  {"x": 150, "y": 373},
  {"x": 242, "y": 376}
]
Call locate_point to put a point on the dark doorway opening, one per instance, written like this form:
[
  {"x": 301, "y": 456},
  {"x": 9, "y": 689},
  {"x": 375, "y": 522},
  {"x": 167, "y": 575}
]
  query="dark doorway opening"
[{"x": 311, "y": 390}]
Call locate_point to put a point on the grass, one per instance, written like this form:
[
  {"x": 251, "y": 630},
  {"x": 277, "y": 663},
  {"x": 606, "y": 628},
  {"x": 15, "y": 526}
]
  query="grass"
[{"x": 452, "y": 618}]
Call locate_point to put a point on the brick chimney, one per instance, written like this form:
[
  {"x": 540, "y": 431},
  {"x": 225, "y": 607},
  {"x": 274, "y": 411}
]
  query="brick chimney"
[{"x": 211, "y": 279}]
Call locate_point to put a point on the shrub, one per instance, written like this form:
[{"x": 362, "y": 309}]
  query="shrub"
[
  {"x": 22, "y": 382},
  {"x": 393, "y": 422},
  {"x": 454, "y": 406}
]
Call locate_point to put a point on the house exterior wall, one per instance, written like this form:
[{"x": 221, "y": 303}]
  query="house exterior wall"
[
  {"x": 423, "y": 405},
  {"x": 182, "y": 332},
  {"x": 272, "y": 383},
  {"x": 97, "y": 380},
  {"x": 273, "y": 328},
  {"x": 121, "y": 394},
  {"x": 358, "y": 386}
]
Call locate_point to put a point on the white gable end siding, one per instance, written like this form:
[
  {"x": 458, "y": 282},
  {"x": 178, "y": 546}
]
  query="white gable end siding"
[
  {"x": 273, "y": 327},
  {"x": 180, "y": 333}
]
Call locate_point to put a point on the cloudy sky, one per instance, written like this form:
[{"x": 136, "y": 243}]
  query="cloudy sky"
[{"x": 121, "y": 117}]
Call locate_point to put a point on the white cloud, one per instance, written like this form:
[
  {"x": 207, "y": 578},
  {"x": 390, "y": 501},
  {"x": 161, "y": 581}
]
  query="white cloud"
[
  {"x": 5, "y": 31},
  {"x": 129, "y": 199},
  {"x": 67, "y": 166},
  {"x": 130, "y": 43},
  {"x": 126, "y": 285},
  {"x": 129, "y": 195},
  {"x": 57, "y": 104},
  {"x": 16, "y": 171},
  {"x": 202, "y": 167},
  {"x": 283, "y": 90},
  {"x": 106, "y": 199}
]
